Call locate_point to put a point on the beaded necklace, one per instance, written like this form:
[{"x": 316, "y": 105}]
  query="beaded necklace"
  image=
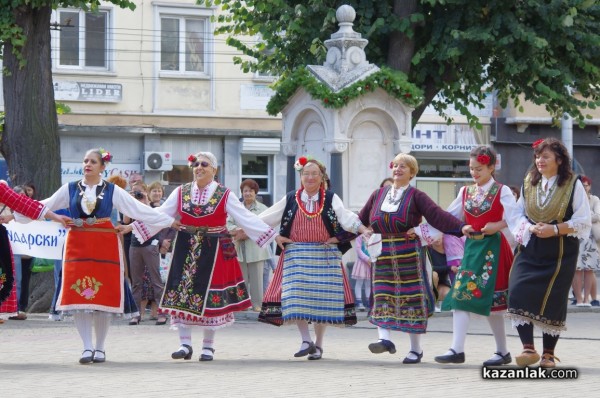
[
  {"x": 392, "y": 195},
  {"x": 319, "y": 208},
  {"x": 540, "y": 192},
  {"x": 89, "y": 204}
]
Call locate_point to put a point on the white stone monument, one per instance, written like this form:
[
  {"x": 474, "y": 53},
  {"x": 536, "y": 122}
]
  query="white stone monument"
[{"x": 355, "y": 142}]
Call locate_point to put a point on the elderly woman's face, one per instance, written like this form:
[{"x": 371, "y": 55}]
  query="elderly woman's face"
[
  {"x": 401, "y": 173},
  {"x": 547, "y": 163},
  {"x": 249, "y": 195},
  {"x": 311, "y": 178},
  {"x": 204, "y": 174}
]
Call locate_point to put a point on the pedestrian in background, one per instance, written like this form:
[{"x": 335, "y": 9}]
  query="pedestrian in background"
[{"x": 251, "y": 257}]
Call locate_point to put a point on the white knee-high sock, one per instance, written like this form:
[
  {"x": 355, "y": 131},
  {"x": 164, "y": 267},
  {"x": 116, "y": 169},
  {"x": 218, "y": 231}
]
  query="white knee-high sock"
[
  {"x": 496, "y": 321},
  {"x": 367, "y": 289},
  {"x": 384, "y": 334},
  {"x": 460, "y": 325},
  {"x": 415, "y": 343},
  {"x": 185, "y": 336},
  {"x": 83, "y": 323},
  {"x": 358, "y": 290},
  {"x": 209, "y": 338},
  {"x": 101, "y": 325},
  {"x": 320, "y": 329}
]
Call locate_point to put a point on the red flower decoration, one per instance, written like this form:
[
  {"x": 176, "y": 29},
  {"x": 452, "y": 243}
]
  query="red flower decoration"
[
  {"x": 483, "y": 159},
  {"x": 391, "y": 165},
  {"x": 407, "y": 95},
  {"x": 192, "y": 158},
  {"x": 477, "y": 293},
  {"x": 326, "y": 100},
  {"x": 538, "y": 142},
  {"x": 302, "y": 160}
]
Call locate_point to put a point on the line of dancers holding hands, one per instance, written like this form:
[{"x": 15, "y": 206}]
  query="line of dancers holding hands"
[{"x": 205, "y": 286}]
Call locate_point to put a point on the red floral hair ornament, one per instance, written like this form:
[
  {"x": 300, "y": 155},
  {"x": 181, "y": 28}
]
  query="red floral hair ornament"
[
  {"x": 391, "y": 165},
  {"x": 483, "y": 159},
  {"x": 191, "y": 160},
  {"x": 105, "y": 155},
  {"x": 300, "y": 163},
  {"x": 537, "y": 143}
]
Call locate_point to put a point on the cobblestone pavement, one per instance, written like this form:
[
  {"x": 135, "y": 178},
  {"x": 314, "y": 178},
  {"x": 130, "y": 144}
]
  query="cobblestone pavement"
[{"x": 38, "y": 358}]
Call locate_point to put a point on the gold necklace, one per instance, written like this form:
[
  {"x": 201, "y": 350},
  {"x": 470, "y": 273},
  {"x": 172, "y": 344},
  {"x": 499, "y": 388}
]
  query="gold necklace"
[{"x": 89, "y": 204}]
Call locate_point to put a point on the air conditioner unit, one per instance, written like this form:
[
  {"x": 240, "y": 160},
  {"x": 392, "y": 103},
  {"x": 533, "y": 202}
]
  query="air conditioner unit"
[{"x": 158, "y": 161}]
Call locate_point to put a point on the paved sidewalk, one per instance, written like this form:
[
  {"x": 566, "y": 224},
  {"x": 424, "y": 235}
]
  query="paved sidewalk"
[{"x": 38, "y": 358}]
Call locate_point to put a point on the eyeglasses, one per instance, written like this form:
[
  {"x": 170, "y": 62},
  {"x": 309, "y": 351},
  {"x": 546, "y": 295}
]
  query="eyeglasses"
[
  {"x": 202, "y": 163},
  {"x": 315, "y": 174}
]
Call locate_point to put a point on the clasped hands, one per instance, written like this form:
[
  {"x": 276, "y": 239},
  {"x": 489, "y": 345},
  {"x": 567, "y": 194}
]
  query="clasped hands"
[{"x": 543, "y": 230}]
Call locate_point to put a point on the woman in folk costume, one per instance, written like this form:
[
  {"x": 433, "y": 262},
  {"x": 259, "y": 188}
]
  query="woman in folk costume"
[
  {"x": 402, "y": 293},
  {"x": 28, "y": 207},
  {"x": 205, "y": 284},
  {"x": 481, "y": 283},
  {"x": 554, "y": 216},
  {"x": 93, "y": 287},
  {"x": 309, "y": 284}
]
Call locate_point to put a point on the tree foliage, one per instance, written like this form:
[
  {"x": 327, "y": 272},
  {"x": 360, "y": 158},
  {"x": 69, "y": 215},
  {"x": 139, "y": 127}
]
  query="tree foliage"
[{"x": 460, "y": 49}]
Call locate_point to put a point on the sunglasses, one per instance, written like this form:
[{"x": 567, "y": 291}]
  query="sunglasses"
[{"x": 202, "y": 163}]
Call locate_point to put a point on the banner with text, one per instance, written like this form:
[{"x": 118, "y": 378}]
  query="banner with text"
[{"x": 42, "y": 239}]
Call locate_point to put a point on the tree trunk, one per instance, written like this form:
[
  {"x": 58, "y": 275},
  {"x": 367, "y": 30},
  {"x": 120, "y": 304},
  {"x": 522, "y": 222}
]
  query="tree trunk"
[
  {"x": 402, "y": 49},
  {"x": 30, "y": 142}
]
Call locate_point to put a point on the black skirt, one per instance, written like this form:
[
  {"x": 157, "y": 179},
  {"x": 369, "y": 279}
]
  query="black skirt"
[{"x": 540, "y": 280}]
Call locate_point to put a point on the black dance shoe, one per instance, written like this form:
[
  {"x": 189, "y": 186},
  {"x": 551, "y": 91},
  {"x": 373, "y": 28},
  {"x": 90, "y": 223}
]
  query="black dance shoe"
[
  {"x": 207, "y": 357},
  {"x": 408, "y": 360},
  {"x": 99, "y": 359},
  {"x": 382, "y": 346},
  {"x": 318, "y": 354},
  {"x": 181, "y": 353},
  {"x": 451, "y": 358},
  {"x": 311, "y": 349},
  {"x": 86, "y": 359},
  {"x": 503, "y": 360}
]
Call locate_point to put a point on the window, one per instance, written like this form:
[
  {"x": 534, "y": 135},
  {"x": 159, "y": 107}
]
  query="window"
[
  {"x": 258, "y": 167},
  {"x": 83, "y": 40},
  {"x": 183, "y": 44}
]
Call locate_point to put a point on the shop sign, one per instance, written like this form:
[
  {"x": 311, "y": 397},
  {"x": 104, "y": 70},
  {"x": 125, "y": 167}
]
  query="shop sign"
[
  {"x": 87, "y": 91},
  {"x": 443, "y": 138}
]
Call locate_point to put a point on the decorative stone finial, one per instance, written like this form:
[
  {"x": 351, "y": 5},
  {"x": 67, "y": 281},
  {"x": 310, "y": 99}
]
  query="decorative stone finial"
[{"x": 346, "y": 61}]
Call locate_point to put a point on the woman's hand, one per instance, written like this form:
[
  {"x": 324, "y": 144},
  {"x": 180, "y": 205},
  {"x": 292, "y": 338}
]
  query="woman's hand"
[
  {"x": 58, "y": 218},
  {"x": 543, "y": 230},
  {"x": 281, "y": 240},
  {"x": 332, "y": 241},
  {"x": 467, "y": 229},
  {"x": 411, "y": 233},
  {"x": 124, "y": 229},
  {"x": 6, "y": 219}
]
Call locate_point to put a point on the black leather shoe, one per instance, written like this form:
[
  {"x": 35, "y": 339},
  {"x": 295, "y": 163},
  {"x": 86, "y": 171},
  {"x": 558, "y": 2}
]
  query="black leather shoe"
[
  {"x": 318, "y": 354},
  {"x": 206, "y": 357},
  {"x": 451, "y": 358},
  {"x": 182, "y": 353},
  {"x": 99, "y": 359},
  {"x": 408, "y": 360},
  {"x": 382, "y": 346},
  {"x": 503, "y": 360},
  {"x": 85, "y": 359},
  {"x": 311, "y": 349}
]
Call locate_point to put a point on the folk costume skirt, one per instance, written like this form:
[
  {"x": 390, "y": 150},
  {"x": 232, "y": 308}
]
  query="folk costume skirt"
[
  {"x": 309, "y": 284},
  {"x": 481, "y": 283},
  {"x": 540, "y": 281},
  {"x": 204, "y": 284},
  {"x": 93, "y": 272},
  {"x": 402, "y": 295}
]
